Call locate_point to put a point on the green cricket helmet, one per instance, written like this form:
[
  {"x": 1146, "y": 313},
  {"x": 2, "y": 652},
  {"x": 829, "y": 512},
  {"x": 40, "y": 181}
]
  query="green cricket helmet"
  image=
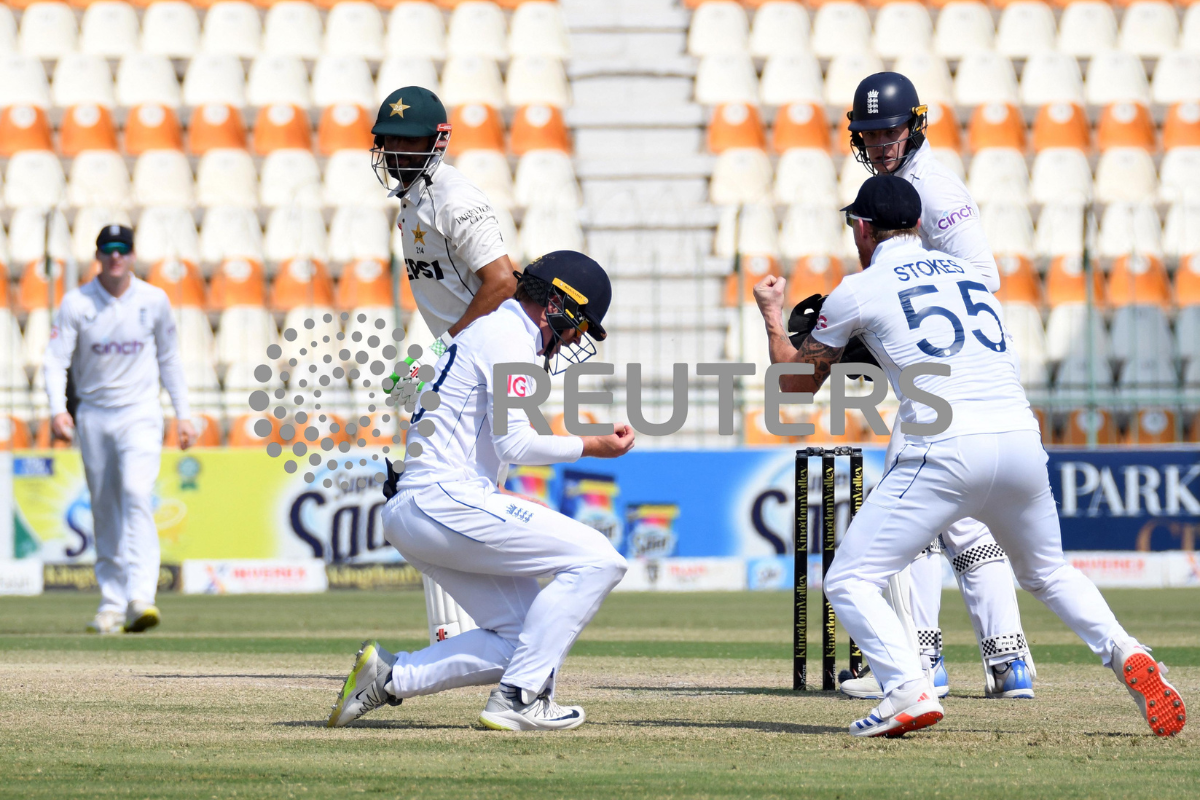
[{"x": 411, "y": 112}]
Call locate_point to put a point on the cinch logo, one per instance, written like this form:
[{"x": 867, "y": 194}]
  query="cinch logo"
[
  {"x": 119, "y": 348},
  {"x": 954, "y": 217}
]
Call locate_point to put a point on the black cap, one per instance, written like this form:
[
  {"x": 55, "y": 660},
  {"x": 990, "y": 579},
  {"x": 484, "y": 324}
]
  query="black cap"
[
  {"x": 115, "y": 233},
  {"x": 887, "y": 202},
  {"x": 583, "y": 280}
]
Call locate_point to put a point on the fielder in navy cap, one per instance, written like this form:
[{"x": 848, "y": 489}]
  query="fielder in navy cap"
[
  {"x": 887, "y": 202},
  {"x": 115, "y": 238}
]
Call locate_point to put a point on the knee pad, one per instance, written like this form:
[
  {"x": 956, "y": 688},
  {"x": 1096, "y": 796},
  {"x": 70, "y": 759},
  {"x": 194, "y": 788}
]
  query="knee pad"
[{"x": 976, "y": 556}]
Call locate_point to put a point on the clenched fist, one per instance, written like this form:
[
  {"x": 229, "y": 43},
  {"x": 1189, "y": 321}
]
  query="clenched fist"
[{"x": 768, "y": 293}]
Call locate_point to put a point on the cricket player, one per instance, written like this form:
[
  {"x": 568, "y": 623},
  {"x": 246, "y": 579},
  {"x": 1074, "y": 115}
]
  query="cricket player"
[
  {"x": 457, "y": 262},
  {"x": 887, "y": 134},
  {"x": 915, "y": 306},
  {"x": 117, "y": 336},
  {"x": 447, "y": 517}
]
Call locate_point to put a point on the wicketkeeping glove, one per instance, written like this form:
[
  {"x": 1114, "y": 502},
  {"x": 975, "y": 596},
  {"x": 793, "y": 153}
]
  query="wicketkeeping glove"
[{"x": 804, "y": 318}]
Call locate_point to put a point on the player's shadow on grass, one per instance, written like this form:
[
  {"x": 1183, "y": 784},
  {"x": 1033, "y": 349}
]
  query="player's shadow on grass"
[
  {"x": 735, "y": 724},
  {"x": 685, "y": 691},
  {"x": 385, "y": 724},
  {"x": 247, "y": 676}
]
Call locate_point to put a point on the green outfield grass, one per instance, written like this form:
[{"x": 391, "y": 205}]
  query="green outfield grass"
[{"x": 686, "y": 695}]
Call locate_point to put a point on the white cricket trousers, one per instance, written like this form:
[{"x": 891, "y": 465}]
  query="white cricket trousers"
[
  {"x": 999, "y": 479},
  {"x": 122, "y": 451},
  {"x": 487, "y": 550}
]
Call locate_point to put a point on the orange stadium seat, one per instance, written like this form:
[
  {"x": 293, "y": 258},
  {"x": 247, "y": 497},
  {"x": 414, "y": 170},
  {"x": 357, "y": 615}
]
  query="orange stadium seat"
[
  {"x": 800, "y": 125},
  {"x": 407, "y": 301},
  {"x": 344, "y": 127},
  {"x": 1080, "y": 421},
  {"x": 1138, "y": 279},
  {"x": 754, "y": 269},
  {"x": 42, "y": 440},
  {"x": 822, "y": 420},
  {"x": 301, "y": 282},
  {"x": 365, "y": 282},
  {"x": 281, "y": 127},
  {"x": 475, "y": 126},
  {"x": 841, "y": 132},
  {"x": 89, "y": 272},
  {"x": 215, "y": 126},
  {"x": 242, "y": 433},
  {"x": 1150, "y": 426},
  {"x": 181, "y": 281},
  {"x": 3, "y": 285},
  {"x": 942, "y": 128},
  {"x": 1181, "y": 127},
  {"x": 735, "y": 125},
  {"x": 1065, "y": 282},
  {"x": 87, "y": 127},
  {"x": 996, "y": 125},
  {"x": 558, "y": 423},
  {"x": 538, "y": 127},
  {"x": 14, "y": 433},
  {"x": 1061, "y": 125},
  {"x": 1125, "y": 125},
  {"x": 33, "y": 291},
  {"x": 208, "y": 431},
  {"x": 1018, "y": 281},
  {"x": 379, "y": 432},
  {"x": 813, "y": 275},
  {"x": 237, "y": 282},
  {"x": 757, "y": 434},
  {"x": 888, "y": 413},
  {"x": 1187, "y": 281},
  {"x": 24, "y": 128},
  {"x": 152, "y": 127}
]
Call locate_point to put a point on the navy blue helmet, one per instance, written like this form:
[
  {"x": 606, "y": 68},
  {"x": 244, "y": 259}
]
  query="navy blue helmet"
[{"x": 881, "y": 101}]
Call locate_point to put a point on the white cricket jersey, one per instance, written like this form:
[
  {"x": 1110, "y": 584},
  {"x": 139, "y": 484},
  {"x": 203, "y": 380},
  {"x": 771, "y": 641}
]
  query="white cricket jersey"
[
  {"x": 450, "y": 232},
  {"x": 914, "y": 306},
  {"x": 119, "y": 348},
  {"x": 950, "y": 220},
  {"x": 463, "y": 446}
]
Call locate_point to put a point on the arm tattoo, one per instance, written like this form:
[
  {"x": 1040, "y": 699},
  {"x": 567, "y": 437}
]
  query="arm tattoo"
[{"x": 821, "y": 356}]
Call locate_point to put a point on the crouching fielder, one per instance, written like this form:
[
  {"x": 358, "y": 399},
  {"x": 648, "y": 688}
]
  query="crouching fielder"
[
  {"x": 448, "y": 518},
  {"x": 915, "y": 306}
]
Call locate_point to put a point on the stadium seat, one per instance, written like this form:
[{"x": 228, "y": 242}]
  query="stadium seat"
[
  {"x": 8, "y": 29},
  {"x": 547, "y": 228},
  {"x": 810, "y": 230},
  {"x": 800, "y": 125},
  {"x": 236, "y": 282},
  {"x": 1009, "y": 228},
  {"x": 33, "y": 295},
  {"x": 535, "y": 127},
  {"x": 1138, "y": 279},
  {"x": 416, "y": 29},
  {"x": 300, "y": 284},
  {"x": 806, "y": 176},
  {"x": 292, "y": 28},
  {"x": 1061, "y": 125},
  {"x": 27, "y": 238},
  {"x": 163, "y": 178},
  {"x": 750, "y": 230},
  {"x": 1065, "y": 283},
  {"x": 342, "y": 79},
  {"x": 1129, "y": 227},
  {"x": 281, "y": 127},
  {"x": 23, "y": 82},
  {"x": 350, "y": 181},
  {"x": 753, "y": 269},
  {"x": 1024, "y": 324},
  {"x": 996, "y": 125},
  {"x": 779, "y": 29},
  {"x": 1176, "y": 78},
  {"x": 1181, "y": 233},
  {"x": 208, "y": 430},
  {"x": 80, "y": 78},
  {"x": 88, "y": 223},
  {"x": 277, "y": 80},
  {"x": 232, "y": 27},
  {"x": 354, "y": 29},
  {"x": 1066, "y": 334},
  {"x": 728, "y": 78},
  {"x": 1060, "y": 230},
  {"x": 397, "y": 71},
  {"x": 295, "y": 232},
  {"x": 812, "y": 274},
  {"x": 941, "y": 127},
  {"x": 1180, "y": 171},
  {"x": 1051, "y": 77},
  {"x": 144, "y": 78},
  {"x": 214, "y": 78},
  {"x": 216, "y": 127},
  {"x": 226, "y": 177},
  {"x": 86, "y": 127},
  {"x": 840, "y": 27},
  {"x": 1082, "y": 422},
  {"x": 1115, "y": 77},
  {"x": 358, "y": 232},
  {"x": 488, "y": 169},
  {"x": 929, "y": 73},
  {"x": 477, "y": 29},
  {"x": 546, "y": 177},
  {"x": 718, "y": 28},
  {"x": 845, "y": 72},
  {"x": 152, "y": 127},
  {"x": 1187, "y": 334},
  {"x": 735, "y": 125},
  {"x": 998, "y": 175},
  {"x": 33, "y": 178},
  {"x": 1150, "y": 426},
  {"x": 1018, "y": 282},
  {"x": 537, "y": 79},
  {"x": 850, "y": 178},
  {"x": 1125, "y": 125},
  {"x": 241, "y": 427},
  {"x": 1125, "y": 174},
  {"x": 985, "y": 77},
  {"x": 109, "y": 29},
  {"x": 14, "y": 432},
  {"x": 166, "y": 233},
  {"x": 1149, "y": 28},
  {"x": 791, "y": 78},
  {"x": 170, "y": 28},
  {"x": 1026, "y": 27},
  {"x": 902, "y": 27},
  {"x": 1086, "y": 28},
  {"x": 181, "y": 281},
  {"x": 47, "y": 30},
  {"x": 472, "y": 79},
  {"x": 365, "y": 282},
  {"x": 23, "y": 128},
  {"x": 740, "y": 175},
  {"x": 344, "y": 126},
  {"x": 963, "y": 29},
  {"x": 291, "y": 178},
  {"x": 1060, "y": 175}
]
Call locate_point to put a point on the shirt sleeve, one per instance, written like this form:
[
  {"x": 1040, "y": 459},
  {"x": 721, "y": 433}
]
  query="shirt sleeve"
[
  {"x": 64, "y": 334},
  {"x": 952, "y": 225},
  {"x": 170, "y": 364},
  {"x": 471, "y": 226},
  {"x": 840, "y": 319}
]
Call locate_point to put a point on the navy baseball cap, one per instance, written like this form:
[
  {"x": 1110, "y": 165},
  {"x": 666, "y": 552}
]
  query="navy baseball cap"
[
  {"x": 115, "y": 234},
  {"x": 887, "y": 202}
]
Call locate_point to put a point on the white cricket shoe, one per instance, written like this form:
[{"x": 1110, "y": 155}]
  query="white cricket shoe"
[
  {"x": 141, "y": 616},
  {"x": 899, "y": 713},
  {"x": 866, "y": 685},
  {"x": 106, "y": 622},
  {"x": 365, "y": 688},
  {"x": 1159, "y": 702},
  {"x": 506, "y": 711}
]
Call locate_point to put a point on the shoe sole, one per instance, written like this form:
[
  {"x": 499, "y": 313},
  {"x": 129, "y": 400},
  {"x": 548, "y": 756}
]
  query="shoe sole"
[
  {"x": 496, "y": 722},
  {"x": 1014, "y": 694},
  {"x": 148, "y": 619},
  {"x": 913, "y": 723},
  {"x": 1142, "y": 675},
  {"x": 348, "y": 688}
]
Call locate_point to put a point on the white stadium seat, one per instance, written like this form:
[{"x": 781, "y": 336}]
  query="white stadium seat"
[
  {"x": 242, "y": 339},
  {"x": 477, "y": 29},
  {"x": 547, "y": 228},
  {"x": 354, "y": 29},
  {"x": 1026, "y": 27},
  {"x": 342, "y": 79},
  {"x": 296, "y": 232},
  {"x": 230, "y": 232},
  {"x": 850, "y": 178},
  {"x": 963, "y": 28},
  {"x": 226, "y": 177},
  {"x": 1181, "y": 231},
  {"x": 792, "y": 78},
  {"x": 546, "y": 176},
  {"x": 166, "y": 232},
  {"x": 1149, "y": 28},
  {"x": 755, "y": 228},
  {"x": 98, "y": 178},
  {"x": 171, "y": 28},
  {"x": 1087, "y": 27},
  {"x": 1051, "y": 77},
  {"x": 1009, "y": 228},
  {"x": 1189, "y": 38},
  {"x": 488, "y": 169},
  {"x": 1024, "y": 323},
  {"x": 292, "y": 28},
  {"x": 88, "y": 221},
  {"x": 841, "y": 27},
  {"x": 1139, "y": 331},
  {"x": 1060, "y": 175},
  {"x": 8, "y": 30},
  {"x": 1180, "y": 171},
  {"x": 950, "y": 159},
  {"x": 1129, "y": 228},
  {"x": 985, "y": 77},
  {"x": 846, "y": 71},
  {"x": 1125, "y": 175},
  {"x": 728, "y": 78},
  {"x": 537, "y": 80},
  {"x": 718, "y": 28},
  {"x": 416, "y": 30},
  {"x": 1060, "y": 230},
  {"x": 232, "y": 27},
  {"x": 163, "y": 178},
  {"x": 998, "y": 175},
  {"x": 80, "y": 78},
  {"x": 806, "y": 176},
  {"x": 902, "y": 28},
  {"x": 538, "y": 29},
  {"x": 214, "y": 78},
  {"x": 398, "y": 71},
  {"x": 1066, "y": 333},
  {"x": 349, "y": 181},
  {"x": 291, "y": 177},
  {"x": 23, "y": 82},
  {"x": 1116, "y": 77},
  {"x": 146, "y": 78},
  {"x": 27, "y": 236},
  {"x": 108, "y": 28},
  {"x": 33, "y": 178},
  {"x": 277, "y": 80},
  {"x": 472, "y": 79},
  {"x": 1176, "y": 78},
  {"x": 930, "y": 74},
  {"x": 47, "y": 30},
  {"x": 1187, "y": 335},
  {"x": 359, "y": 232},
  {"x": 779, "y": 29},
  {"x": 740, "y": 175},
  {"x": 811, "y": 230}
]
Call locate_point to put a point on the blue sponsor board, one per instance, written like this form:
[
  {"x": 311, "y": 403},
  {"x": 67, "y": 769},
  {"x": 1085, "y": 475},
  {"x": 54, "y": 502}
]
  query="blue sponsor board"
[
  {"x": 1127, "y": 498},
  {"x": 33, "y": 467}
]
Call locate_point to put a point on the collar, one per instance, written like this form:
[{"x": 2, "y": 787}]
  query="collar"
[
  {"x": 512, "y": 306},
  {"x": 885, "y": 249},
  {"x": 109, "y": 298},
  {"x": 402, "y": 193},
  {"x": 910, "y": 166}
]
